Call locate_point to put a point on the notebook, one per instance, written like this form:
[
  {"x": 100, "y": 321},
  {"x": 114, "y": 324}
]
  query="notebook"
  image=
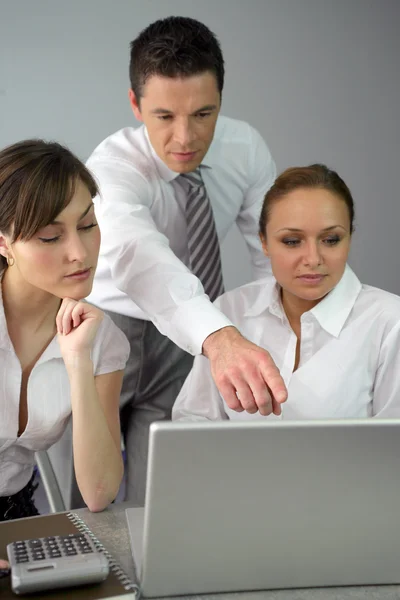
[{"x": 116, "y": 586}]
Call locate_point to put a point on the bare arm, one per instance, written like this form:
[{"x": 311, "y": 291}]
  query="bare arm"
[
  {"x": 96, "y": 436},
  {"x": 95, "y": 407}
]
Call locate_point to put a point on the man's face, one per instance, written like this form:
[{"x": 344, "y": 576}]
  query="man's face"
[{"x": 180, "y": 116}]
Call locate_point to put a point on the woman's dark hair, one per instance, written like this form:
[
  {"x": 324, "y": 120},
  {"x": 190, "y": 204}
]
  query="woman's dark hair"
[
  {"x": 174, "y": 47},
  {"x": 314, "y": 176},
  {"x": 37, "y": 181}
]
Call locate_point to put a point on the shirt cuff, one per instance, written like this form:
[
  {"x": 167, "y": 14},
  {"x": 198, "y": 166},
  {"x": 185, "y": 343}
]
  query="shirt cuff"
[{"x": 195, "y": 325}]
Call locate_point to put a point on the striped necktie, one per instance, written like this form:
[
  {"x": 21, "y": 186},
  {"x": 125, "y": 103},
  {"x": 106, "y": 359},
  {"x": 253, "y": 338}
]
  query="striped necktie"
[{"x": 203, "y": 243}]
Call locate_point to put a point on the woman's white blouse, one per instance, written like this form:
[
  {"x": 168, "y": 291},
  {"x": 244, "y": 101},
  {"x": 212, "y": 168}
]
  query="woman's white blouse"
[
  {"x": 48, "y": 397},
  {"x": 349, "y": 354}
]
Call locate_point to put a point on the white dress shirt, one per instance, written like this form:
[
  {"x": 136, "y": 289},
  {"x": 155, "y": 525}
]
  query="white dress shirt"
[
  {"x": 48, "y": 398},
  {"x": 349, "y": 354},
  {"x": 143, "y": 266}
]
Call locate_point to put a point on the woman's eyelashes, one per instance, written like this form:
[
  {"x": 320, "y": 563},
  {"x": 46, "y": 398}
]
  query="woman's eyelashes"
[
  {"x": 331, "y": 240},
  {"x": 57, "y": 237},
  {"x": 291, "y": 241}
]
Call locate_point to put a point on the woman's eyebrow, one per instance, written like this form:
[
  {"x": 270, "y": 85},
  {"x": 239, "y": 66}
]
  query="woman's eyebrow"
[
  {"x": 85, "y": 212},
  {"x": 294, "y": 229}
]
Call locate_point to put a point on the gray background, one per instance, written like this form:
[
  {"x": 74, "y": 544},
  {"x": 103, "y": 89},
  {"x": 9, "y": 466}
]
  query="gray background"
[{"x": 318, "y": 78}]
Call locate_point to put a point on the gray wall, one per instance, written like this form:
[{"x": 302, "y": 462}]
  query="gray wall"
[{"x": 318, "y": 78}]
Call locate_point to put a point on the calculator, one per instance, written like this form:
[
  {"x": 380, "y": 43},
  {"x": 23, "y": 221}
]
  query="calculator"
[{"x": 55, "y": 562}]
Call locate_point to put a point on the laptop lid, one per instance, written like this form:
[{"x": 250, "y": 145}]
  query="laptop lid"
[{"x": 236, "y": 506}]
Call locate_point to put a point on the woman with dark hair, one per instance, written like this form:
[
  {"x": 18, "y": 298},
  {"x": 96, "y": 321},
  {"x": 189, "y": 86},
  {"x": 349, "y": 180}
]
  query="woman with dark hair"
[
  {"x": 335, "y": 341},
  {"x": 58, "y": 354}
]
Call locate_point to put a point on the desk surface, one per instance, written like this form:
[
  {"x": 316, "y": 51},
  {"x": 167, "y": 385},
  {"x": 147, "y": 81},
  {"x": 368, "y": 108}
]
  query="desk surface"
[{"x": 111, "y": 529}]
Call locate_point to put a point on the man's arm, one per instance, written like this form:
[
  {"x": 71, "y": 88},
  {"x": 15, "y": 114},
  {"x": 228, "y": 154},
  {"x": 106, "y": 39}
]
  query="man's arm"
[
  {"x": 142, "y": 264},
  {"x": 145, "y": 268},
  {"x": 262, "y": 173},
  {"x": 244, "y": 373}
]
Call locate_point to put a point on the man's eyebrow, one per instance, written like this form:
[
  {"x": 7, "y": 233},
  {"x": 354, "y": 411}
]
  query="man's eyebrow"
[
  {"x": 164, "y": 111},
  {"x": 161, "y": 111},
  {"x": 207, "y": 107},
  {"x": 85, "y": 212}
]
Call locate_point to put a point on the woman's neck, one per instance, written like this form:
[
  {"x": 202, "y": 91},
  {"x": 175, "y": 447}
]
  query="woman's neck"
[
  {"x": 294, "y": 307},
  {"x": 27, "y": 305}
]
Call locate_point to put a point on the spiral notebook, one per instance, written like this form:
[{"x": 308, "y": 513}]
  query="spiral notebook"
[{"x": 116, "y": 586}]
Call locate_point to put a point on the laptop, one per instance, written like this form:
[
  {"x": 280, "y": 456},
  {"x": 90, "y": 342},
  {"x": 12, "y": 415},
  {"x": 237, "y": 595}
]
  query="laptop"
[{"x": 234, "y": 506}]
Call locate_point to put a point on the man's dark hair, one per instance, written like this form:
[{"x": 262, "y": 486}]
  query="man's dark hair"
[{"x": 174, "y": 47}]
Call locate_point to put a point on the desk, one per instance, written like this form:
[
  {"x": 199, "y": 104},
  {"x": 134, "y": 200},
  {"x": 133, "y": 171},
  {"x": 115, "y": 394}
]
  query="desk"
[{"x": 111, "y": 529}]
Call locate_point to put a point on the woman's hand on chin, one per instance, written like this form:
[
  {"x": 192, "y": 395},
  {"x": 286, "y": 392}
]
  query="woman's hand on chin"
[{"x": 77, "y": 324}]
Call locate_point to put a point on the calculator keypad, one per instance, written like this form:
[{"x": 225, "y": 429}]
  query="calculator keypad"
[{"x": 52, "y": 548}]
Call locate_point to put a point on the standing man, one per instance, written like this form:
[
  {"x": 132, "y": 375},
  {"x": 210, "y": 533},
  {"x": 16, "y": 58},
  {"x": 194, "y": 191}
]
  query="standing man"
[{"x": 169, "y": 193}]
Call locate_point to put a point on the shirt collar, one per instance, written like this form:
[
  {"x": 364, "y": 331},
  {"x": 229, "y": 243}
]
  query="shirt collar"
[
  {"x": 164, "y": 171},
  {"x": 331, "y": 313},
  {"x": 269, "y": 298}
]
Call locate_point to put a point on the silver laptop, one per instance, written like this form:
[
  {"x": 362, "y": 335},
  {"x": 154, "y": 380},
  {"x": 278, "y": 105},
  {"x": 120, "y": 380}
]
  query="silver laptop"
[{"x": 249, "y": 506}]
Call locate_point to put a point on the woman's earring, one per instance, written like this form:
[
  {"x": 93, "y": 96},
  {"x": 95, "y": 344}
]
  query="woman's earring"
[{"x": 10, "y": 261}]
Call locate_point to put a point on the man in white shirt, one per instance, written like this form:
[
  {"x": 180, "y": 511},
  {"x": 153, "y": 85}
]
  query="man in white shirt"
[{"x": 157, "y": 260}]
